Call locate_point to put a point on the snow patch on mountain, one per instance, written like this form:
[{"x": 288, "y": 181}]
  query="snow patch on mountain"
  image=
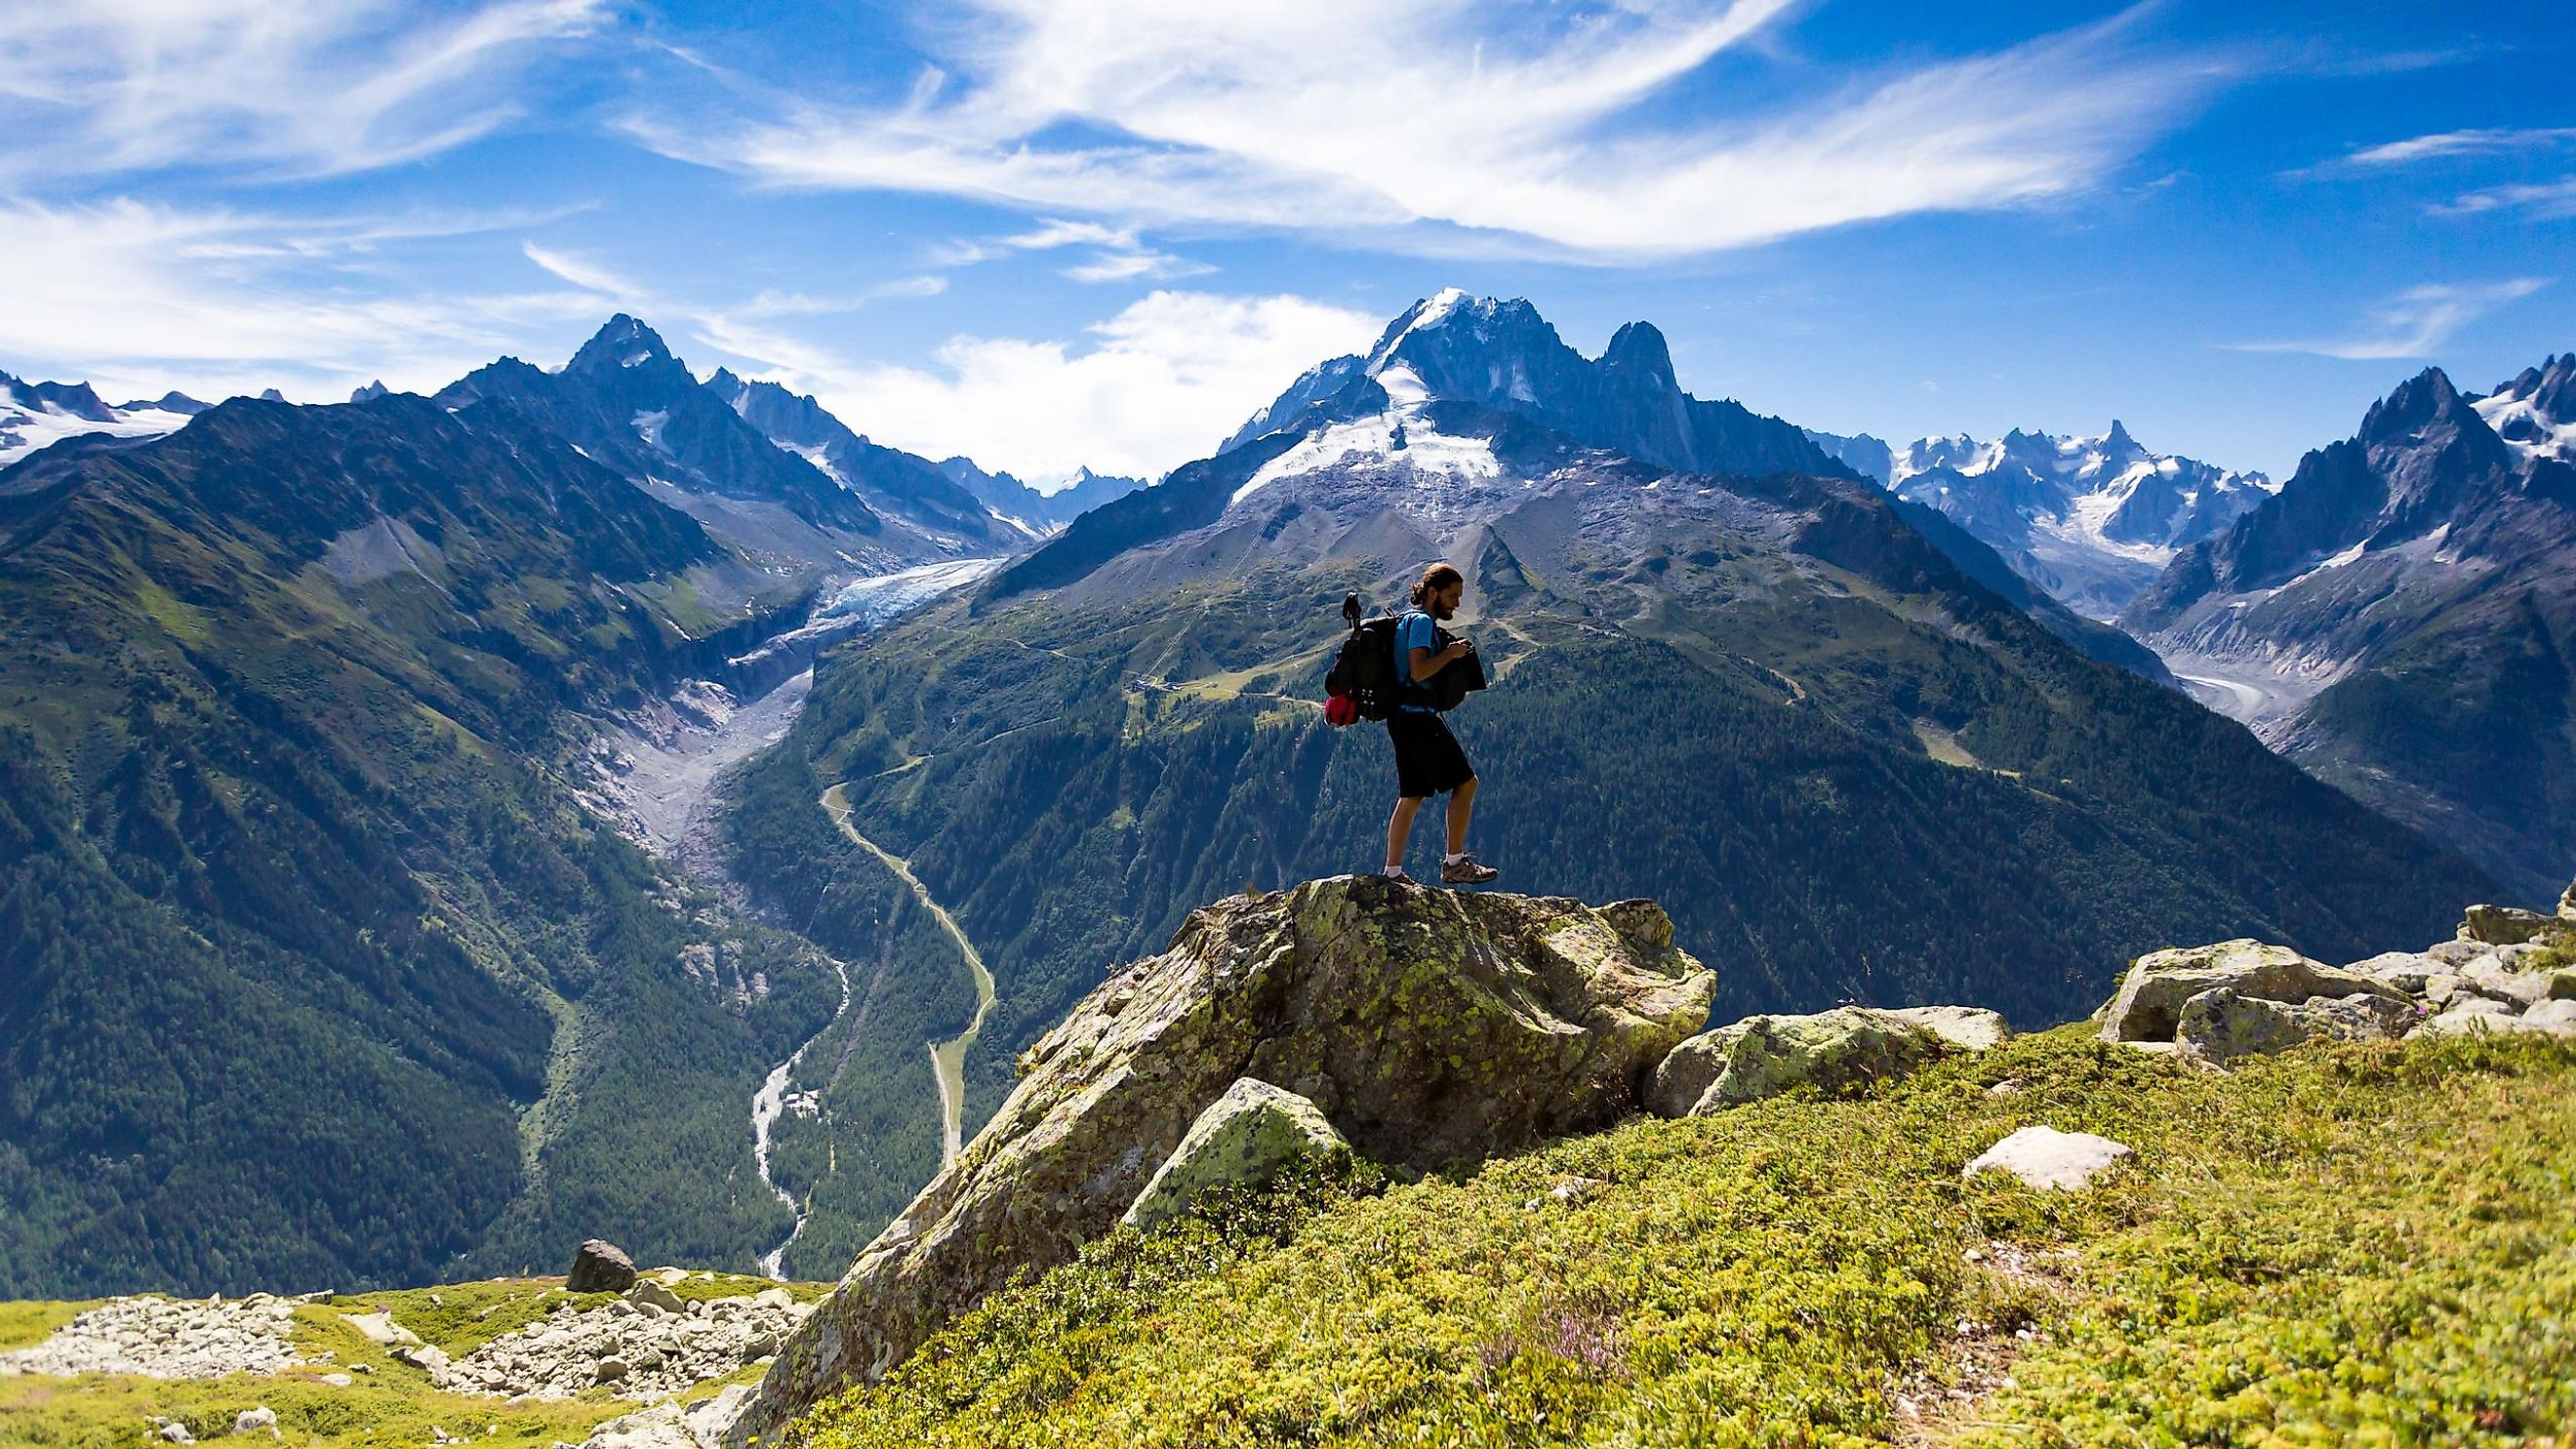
[{"x": 29, "y": 421}]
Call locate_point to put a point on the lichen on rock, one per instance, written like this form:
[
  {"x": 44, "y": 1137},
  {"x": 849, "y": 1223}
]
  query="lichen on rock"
[
  {"x": 1429, "y": 1027},
  {"x": 1762, "y": 1056},
  {"x": 2149, "y": 1005},
  {"x": 1245, "y": 1139}
]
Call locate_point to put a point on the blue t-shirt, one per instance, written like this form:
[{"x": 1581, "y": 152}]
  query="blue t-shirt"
[{"x": 1416, "y": 630}]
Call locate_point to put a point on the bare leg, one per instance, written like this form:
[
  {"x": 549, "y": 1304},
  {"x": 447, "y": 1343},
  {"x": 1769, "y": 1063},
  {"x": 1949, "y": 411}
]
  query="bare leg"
[
  {"x": 1462, "y": 805},
  {"x": 1399, "y": 829}
]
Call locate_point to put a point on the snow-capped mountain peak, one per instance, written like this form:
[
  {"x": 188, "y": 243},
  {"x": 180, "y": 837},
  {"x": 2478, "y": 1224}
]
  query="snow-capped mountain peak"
[
  {"x": 2535, "y": 412},
  {"x": 37, "y": 415}
]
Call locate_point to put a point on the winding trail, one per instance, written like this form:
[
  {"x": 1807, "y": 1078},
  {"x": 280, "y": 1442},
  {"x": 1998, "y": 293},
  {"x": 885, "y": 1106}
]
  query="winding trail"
[
  {"x": 766, "y": 1104},
  {"x": 947, "y": 1058}
]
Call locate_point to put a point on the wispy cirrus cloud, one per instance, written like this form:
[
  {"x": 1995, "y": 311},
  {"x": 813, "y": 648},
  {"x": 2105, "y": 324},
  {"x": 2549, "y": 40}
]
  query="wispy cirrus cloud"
[
  {"x": 2414, "y": 323},
  {"x": 1118, "y": 253},
  {"x": 290, "y": 87},
  {"x": 1433, "y": 124},
  {"x": 2504, "y": 141},
  {"x": 149, "y": 296}
]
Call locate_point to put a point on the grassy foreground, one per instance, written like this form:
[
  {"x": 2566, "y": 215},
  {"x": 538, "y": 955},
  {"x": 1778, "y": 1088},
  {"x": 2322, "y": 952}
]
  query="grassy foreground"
[
  {"x": 387, "y": 1403},
  {"x": 2371, "y": 1244}
]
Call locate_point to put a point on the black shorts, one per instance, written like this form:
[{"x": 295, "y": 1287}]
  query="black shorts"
[{"x": 1428, "y": 760}]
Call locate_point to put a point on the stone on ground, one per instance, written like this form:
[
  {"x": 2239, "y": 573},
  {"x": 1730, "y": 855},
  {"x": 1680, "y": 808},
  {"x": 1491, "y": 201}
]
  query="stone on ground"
[
  {"x": 600, "y": 1267},
  {"x": 2509, "y": 925},
  {"x": 2556, "y": 1016},
  {"x": 251, "y": 1421},
  {"x": 1245, "y": 1138},
  {"x": 2220, "y": 1026},
  {"x": 381, "y": 1330},
  {"x": 2148, "y": 1006},
  {"x": 1429, "y": 1026},
  {"x": 1762, "y": 1056},
  {"x": 2044, "y": 1157}
]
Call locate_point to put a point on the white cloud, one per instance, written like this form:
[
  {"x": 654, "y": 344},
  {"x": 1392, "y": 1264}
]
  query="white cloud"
[
  {"x": 2547, "y": 199},
  {"x": 144, "y": 297},
  {"x": 2462, "y": 143},
  {"x": 1410, "y": 122},
  {"x": 1119, "y": 254},
  {"x": 2414, "y": 323},
  {"x": 306, "y": 87},
  {"x": 1155, "y": 386}
]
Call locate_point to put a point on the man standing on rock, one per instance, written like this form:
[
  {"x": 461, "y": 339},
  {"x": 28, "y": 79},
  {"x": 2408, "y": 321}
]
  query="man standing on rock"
[{"x": 1428, "y": 759}]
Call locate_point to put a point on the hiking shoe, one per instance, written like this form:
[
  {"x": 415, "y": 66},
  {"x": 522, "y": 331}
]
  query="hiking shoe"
[
  {"x": 1396, "y": 873},
  {"x": 1466, "y": 870}
]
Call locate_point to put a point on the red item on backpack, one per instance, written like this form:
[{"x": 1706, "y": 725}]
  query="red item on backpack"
[{"x": 1340, "y": 710}]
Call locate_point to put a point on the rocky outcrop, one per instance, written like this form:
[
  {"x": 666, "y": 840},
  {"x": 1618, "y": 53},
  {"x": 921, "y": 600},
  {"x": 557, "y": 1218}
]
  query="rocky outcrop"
[
  {"x": 1427, "y": 1026},
  {"x": 600, "y": 1267},
  {"x": 644, "y": 1346},
  {"x": 1762, "y": 1056},
  {"x": 2150, "y": 1002},
  {"x": 168, "y": 1338},
  {"x": 1246, "y": 1139},
  {"x": 2506, "y": 971}
]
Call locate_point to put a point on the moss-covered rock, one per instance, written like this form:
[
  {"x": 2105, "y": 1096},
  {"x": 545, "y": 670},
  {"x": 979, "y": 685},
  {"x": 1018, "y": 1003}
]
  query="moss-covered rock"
[
  {"x": 2148, "y": 1007},
  {"x": 1430, "y": 1027},
  {"x": 1763, "y": 1056},
  {"x": 2219, "y": 1026},
  {"x": 1252, "y": 1133}
]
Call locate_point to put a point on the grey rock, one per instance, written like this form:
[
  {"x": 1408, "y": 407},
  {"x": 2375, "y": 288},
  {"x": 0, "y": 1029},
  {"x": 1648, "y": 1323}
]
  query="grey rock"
[
  {"x": 2508, "y": 925},
  {"x": 2475, "y": 1017},
  {"x": 1967, "y": 1028},
  {"x": 2044, "y": 1157},
  {"x": 2220, "y": 1026},
  {"x": 177, "y": 1433},
  {"x": 1428, "y": 1026},
  {"x": 2556, "y": 1016},
  {"x": 2567, "y": 903},
  {"x": 1244, "y": 1139},
  {"x": 2409, "y": 971},
  {"x": 2457, "y": 953},
  {"x": 600, "y": 1267},
  {"x": 650, "y": 1294},
  {"x": 2148, "y": 1006},
  {"x": 1762, "y": 1056},
  {"x": 2499, "y": 982},
  {"x": 251, "y": 1421}
]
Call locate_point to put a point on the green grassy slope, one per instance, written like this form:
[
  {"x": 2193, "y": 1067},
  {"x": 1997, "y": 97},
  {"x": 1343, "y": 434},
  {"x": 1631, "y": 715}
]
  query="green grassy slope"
[{"x": 2360, "y": 1244}]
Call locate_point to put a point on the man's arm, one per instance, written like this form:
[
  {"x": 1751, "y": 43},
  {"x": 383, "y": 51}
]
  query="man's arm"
[{"x": 1425, "y": 663}]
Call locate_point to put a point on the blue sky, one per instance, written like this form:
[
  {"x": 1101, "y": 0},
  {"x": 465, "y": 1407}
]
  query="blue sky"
[{"x": 1100, "y": 234}]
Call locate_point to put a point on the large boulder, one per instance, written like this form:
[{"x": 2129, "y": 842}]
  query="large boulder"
[
  {"x": 1429, "y": 1027},
  {"x": 2219, "y": 1026},
  {"x": 1762, "y": 1056},
  {"x": 2510, "y": 925},
  {"x": 2148, "y": 1007},
  {"x": 600, "y": 1267},
  {"x": 2567, "y": 903},
  {"x": 1246, "y": 1138}
]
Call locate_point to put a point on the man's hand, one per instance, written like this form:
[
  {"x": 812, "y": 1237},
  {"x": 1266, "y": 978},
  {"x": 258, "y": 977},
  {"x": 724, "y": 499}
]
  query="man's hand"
[{"x": 1458, "y": 649}]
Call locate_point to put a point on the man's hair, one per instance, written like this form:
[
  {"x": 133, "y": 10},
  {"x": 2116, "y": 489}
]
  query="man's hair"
[{"x": 1435, "y": 578}]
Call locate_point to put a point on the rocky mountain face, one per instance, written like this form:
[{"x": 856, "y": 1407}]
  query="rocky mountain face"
[
  {"x": 631, "y": 406},
  {"x": 1042, "y": 513},
  {"x": 313, "y": 969},
  {"x": 36, "y": 415},
  {"x": 2091, "y": 520},
  {"x": 1760, "y": 698},
  {"x": 1429, "y": 1028},
  {"x": 896, "y": 485},
  {"x": 2397, "y": 618}
]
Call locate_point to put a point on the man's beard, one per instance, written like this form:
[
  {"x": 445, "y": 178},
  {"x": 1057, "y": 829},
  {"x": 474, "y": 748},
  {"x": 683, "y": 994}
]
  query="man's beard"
[{"x": 1440, "y": 610}]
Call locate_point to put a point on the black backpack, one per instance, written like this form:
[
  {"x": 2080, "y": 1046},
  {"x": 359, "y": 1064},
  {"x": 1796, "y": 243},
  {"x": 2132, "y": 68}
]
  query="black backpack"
[{"x": 1362, "y": 684}]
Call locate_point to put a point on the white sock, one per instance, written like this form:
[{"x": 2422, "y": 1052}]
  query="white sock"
[
  {"x": 1454, "y": 857},
  {"x": 1390, "y": 870}
]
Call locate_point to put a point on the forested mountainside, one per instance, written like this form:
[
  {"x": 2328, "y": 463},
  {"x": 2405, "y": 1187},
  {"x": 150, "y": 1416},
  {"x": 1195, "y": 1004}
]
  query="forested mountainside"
[
  {"x": 311, "y": 973},
  {"x": 1771, "y": 700},
  {"x": 2401, "y": 618}
]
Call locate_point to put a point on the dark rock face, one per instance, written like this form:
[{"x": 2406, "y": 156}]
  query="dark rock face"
[
  {"x": 1428, "y": 1027},
  {"x": 600, "y": 1267},
  {"x": 891, "y": 481}
]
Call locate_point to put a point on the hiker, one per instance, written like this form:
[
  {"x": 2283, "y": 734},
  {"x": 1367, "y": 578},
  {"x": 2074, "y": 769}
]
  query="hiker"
[{"x": 1428, "y": 760}]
